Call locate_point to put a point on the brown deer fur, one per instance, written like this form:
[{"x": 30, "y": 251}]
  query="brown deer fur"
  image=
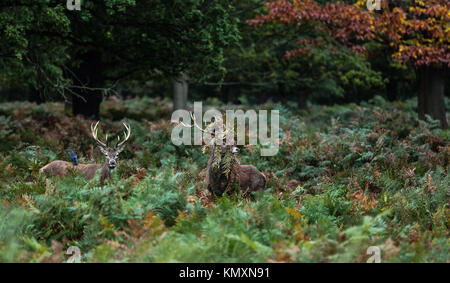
[
  {"x": 60, "y": 168},
  {"x": 248, "y": 177}
]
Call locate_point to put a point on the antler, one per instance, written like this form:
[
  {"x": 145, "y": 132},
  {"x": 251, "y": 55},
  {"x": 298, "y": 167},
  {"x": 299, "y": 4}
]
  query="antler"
[
  {"x": 94, "y": 130},
  {"x": 198, "y": 127},
  {"x": 125, "y": 134},
  {"x": 195, "y": 124}
]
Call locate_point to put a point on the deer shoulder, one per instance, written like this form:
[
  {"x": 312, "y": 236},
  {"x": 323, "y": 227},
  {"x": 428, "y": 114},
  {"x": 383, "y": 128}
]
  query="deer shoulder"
[{"x": 250, "y": 178}]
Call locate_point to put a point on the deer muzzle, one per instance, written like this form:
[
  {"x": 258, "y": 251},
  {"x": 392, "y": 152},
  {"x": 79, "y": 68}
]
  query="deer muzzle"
[{"x": 112, "y": 164}]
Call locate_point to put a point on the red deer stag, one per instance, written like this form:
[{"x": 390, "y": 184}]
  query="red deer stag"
[
  {"x": 223, "y": 169},
  {"x": 60, "y": 168}
]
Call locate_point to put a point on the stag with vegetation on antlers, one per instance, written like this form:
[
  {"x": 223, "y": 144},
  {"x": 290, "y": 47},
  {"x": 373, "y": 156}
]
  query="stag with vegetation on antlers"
[
  {"x": 60, "y": 168},
  {"x": 223, "y": 172}
]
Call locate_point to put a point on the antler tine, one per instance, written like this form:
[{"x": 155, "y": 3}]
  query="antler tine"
[
  {"x": 94, "y": 130},
  {"x": 195, "y": 123},
  {"x": 125, "y": 134},
  {"x": 224, "y": 133},
  {"x": 186, "y": 125},
  {"x": 198, "y": 127}
]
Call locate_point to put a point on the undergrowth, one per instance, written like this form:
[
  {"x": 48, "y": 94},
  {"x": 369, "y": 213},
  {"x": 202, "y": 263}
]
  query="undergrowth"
[{"x": 346, "y": 178}]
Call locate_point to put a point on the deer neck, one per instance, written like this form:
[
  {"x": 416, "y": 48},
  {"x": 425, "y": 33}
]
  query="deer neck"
[
  {"x": 212, "y": 154},
  {"x": 105, "y": 173}
]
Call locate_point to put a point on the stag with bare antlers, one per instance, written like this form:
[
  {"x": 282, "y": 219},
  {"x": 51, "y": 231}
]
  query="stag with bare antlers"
[
  {"x": 60, "y": 168},
  {"x": 223, "y": 171}
]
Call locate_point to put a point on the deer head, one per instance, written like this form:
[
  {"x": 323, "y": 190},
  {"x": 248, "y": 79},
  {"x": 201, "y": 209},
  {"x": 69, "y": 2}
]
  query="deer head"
[
  {"x": 110, "y": 153},
  {"x": 235, "y": 149}
]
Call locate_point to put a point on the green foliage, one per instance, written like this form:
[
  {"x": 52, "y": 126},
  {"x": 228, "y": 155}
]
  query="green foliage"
[
  {"x": 12, "y": 228},
  {"x": 346, "y": 178},
  {"x": 43, "y": 43},
  {"x": 258, "y": 67}
]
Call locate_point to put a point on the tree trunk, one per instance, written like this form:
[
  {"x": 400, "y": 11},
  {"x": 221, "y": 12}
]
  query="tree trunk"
[
  {"x": 431, "y": 82},
  {"x": 180, "y": 92},
  {"x": 391, "y": 90},
  {"x": 36, "y": 96},
  {"x": 302, "y": 100},
  {"x": 282, "y": 93},
  {"x": 89, "y": 81}
]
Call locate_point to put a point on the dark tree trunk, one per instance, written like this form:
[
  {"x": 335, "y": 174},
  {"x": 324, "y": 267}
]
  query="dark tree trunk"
[
  {"x": 89, "y": 79},
  {"x": 282, "y": 92},
  {"x": 263, "y": 97},
  {"x": 431, "y": 83},
  {"x": 36, "y": 96},
  {"x": 233, "y": 94},
  {"x": 180, "y": 92},
  {"x": 302, "y": 100},
  {"x": 391, "y": 90}
]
